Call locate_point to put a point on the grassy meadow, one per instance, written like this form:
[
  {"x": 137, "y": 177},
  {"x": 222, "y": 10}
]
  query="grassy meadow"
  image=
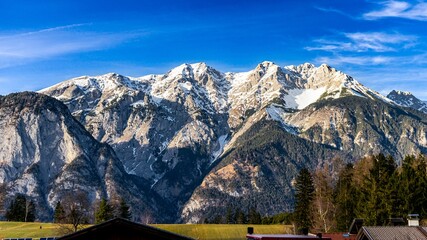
[
  {"x": 221, "y": 231},
  {"x": 32, "y": 230},
  {"x": 197, "y": 231}
]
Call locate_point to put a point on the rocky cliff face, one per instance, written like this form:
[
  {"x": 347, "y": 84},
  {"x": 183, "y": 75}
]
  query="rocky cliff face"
[
  {"x": 202, "y": 138},
  {"x": 407, "y": 99},
  {"x": 45, "y": 154},
  {"x": 258, "y": 172},
  {"x": 259, "y": 167},
  {"x": 165, "y": 128}
]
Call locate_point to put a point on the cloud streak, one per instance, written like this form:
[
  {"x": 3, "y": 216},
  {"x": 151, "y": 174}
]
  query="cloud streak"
[
  {"x": 396, "y": 61},
  {"x": 385, "y": 79},
  {"x": 356, "y": 60},
  {"x": 399, "y": 9},
  {"x": 365, "y": 42},
  {"x": 337, "y": 11},
  {"x": 16, "y": 49},
  {"x": 367, "y": 48}
]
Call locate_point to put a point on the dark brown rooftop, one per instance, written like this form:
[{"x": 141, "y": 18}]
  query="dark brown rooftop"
[{"x": 119, "y": 228}]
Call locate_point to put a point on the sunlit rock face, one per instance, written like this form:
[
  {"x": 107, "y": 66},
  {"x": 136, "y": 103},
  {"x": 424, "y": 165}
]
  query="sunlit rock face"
[
  {"x": 193, "y": 135},
  {"x": 46, "y": 153}
]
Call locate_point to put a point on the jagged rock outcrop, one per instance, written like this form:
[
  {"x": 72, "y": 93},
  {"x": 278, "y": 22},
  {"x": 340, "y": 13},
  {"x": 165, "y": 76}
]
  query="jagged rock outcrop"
[
  {"x": 45, "y": 154},
  {"x": 195, "y": 133},
  {"x": 260, "y": 164},
  {"x": 164, "y": 128},
  {"x": 407, "y": 99}
]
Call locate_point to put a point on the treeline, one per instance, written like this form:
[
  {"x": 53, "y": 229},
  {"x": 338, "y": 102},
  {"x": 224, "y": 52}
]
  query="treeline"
[
  {"x": 252, "y": 216},
  {"x": 72, "y": 211},
  {"x": 375, "y": 189},
  {"x": 236, "y": 217},
  {"x": 77, "y": 211},
  {"x": 21, "y": 209}
]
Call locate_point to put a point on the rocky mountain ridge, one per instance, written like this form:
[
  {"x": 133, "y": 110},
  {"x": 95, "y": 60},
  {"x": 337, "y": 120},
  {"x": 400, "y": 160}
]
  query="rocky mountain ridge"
[
  {"x": 407, "y": 99},
  {"x": 47, "y": 154},
  {"x": 201, "y": 139}
]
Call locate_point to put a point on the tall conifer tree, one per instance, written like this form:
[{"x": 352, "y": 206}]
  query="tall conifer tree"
[
  {"x": 104, "y": 212},
  {"x": 377, "y": 200},
  {"x": 345, "y": 198},
  {"x": 124, "y": 210},
  {"x": 412, "y": 185},
  {"x": 303, "y": 201},
  {"x": 21, "y": 210},
  {"x": 59, "y": 215}
]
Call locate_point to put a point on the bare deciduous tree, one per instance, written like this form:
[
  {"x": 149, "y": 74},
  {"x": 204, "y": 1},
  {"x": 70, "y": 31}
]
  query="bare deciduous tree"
[
  {"x": 323, "y": 201},
  {"x": 2, "y": 198},
  {"x": 146, "y": 217},
  {"x": 77, "y": 210}
]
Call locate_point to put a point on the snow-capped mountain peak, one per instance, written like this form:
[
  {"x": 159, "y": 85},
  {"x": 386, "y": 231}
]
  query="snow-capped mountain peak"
[
  {"x": 172, "y": 129},
  {"x": 211, "y": 89},
  {"x": 407, "y": 99},
  {"x": 398, "y": 92},
  {"x": 264, "y": 66},
  {"x": 102, "y": 83},
  {"x": 199, "y": 68},
  {"x": 182, "y": 71}
]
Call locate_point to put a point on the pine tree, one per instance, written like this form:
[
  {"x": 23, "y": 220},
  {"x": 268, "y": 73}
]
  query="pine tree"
[
  {"x": 16, "y": 210},
  {"x": 377, "y": 199},
  {"x": 124, "y": 210},
  {"x": 59, "y": 215},
  {"x": 104, "y": 212},
  {"x": 240, "y": 216},
  {"x": 229, "y": 216},
  {"x": 254, "y": 217},
  {"x": 216, "y": 220},
  {"x": 411, "y": 186},
  {"x": 420, "y": 205},
  {"x": 303, "y": 201},
  {"x": 21, "y": 210},
  {"x": 30, "y": 211},
  {"x": 345, "y": 198}
]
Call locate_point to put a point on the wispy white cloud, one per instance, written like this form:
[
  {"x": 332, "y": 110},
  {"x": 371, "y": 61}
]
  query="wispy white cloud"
[
  {"x": 399, "y": 9},
  {"x": 24, "y": 47},
  {"x": 390, "y": 61},
  {"x": 381, "y": 42},
  {"x": 337, "y": 11},
  {"x": 364, "y": 42},
  {"x": 397, "y": 77},
  {"x": 356, "y": 60},
  {"x": 420, "y": 59}
]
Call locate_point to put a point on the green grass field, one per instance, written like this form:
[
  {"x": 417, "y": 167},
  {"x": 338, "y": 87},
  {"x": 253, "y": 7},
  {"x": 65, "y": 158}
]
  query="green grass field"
[
  {"x": 197, "y": 231},
  {"x": 221, "y": 231},
  {"x": 32, "y": 230}
]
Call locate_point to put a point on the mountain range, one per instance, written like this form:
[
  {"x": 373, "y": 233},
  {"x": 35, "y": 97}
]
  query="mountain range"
[{"x": 188, "y": 144}]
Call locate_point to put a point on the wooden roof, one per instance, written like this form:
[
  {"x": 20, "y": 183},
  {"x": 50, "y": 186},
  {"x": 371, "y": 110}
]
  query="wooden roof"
[
  {"x": 392, "y": 232},
  {"x": 119, "y": 228}
]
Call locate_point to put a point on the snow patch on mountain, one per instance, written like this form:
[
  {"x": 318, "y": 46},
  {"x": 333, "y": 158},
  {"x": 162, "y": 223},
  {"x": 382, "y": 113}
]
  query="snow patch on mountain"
[
  {"x": 186, "y": 87},
  {"x": 279, "y": 114},
  {"x": 184, "y": 70},
  {"x": 222, "y": 141},
  {"x": 193, "y": 104},
  {"x": 301, "y": 98}
]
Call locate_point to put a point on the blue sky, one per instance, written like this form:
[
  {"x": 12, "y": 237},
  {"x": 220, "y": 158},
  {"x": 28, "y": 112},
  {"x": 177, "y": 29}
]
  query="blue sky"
[{"x": 383, "y": 44}]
